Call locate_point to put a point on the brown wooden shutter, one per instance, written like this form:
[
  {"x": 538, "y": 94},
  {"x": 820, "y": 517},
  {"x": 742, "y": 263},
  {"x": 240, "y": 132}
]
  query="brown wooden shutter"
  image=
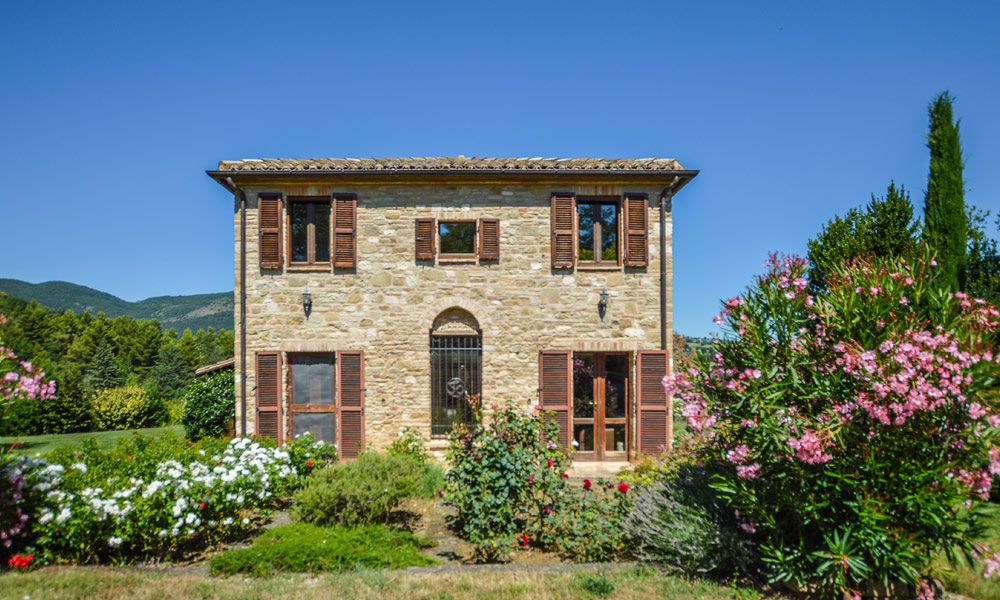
[
  {"x": 636, "y": 227},
  {"x": 489, "y": 239},
  {"x": 269, "y": 226},
  {"x": 350, "y": 402},
  {"x": 654, "y": 416},
  {"x": 563, "y": 231},
  {"x": 555, "y": 387},
  {"x": 425, "y": 239},
  {"x": 269, "y": 396},
  {"x": 345, "y": 227}
]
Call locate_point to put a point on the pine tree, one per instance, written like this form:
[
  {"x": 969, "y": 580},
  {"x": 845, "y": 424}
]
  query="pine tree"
[
  {"x": 104, "y": 372},
  {"x": 189, "y": 350},
  {"x": 171, "y": 373},
  {"x": 945, "y": 226},
  {"x": 884, "y": 228}
]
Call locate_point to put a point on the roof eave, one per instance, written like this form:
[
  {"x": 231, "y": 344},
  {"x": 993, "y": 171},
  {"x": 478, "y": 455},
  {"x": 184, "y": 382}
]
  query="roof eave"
[{"x": 471, "y": 174}]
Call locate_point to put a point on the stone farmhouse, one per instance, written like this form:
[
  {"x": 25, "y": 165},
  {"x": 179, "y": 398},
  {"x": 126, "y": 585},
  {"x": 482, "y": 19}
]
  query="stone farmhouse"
[{"x": 378, "y": 294}]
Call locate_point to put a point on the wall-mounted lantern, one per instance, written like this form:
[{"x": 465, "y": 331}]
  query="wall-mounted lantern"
[
  {"x": 602, "y": 304},
  {"x": 307, "y": 302}
]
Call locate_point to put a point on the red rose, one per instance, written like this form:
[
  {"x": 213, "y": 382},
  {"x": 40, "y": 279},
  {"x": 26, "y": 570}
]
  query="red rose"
[
  {"x": 586, "y": 484},
  {"x": 440, "y": 493},
  {"x": 565, "y": 475},
  {"x": 550, "y": 462},
  {"x": 522, "y": 540},
  {"x": 546, "y": 510},
  {"x": 496, "y": 406},
  {"x": 531, "y": 479},
  {"x": 309, "y": 463},
  {"x": 201, "y": 506},
  {"x": 623, "y": 487},
  {"x": 190, "y": 443}
]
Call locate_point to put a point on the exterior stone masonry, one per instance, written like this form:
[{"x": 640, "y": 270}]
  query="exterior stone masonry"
[{"x": 388, "y": 304}]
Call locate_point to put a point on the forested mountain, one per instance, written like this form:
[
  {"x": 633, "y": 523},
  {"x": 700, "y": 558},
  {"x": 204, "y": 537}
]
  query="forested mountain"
[{"x": 198, "y": 311}]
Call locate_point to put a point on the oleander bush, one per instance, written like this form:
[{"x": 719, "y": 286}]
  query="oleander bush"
[
  {"x": 364, "y": 491},
  {"x": 506, "y": 479},
  {"x": 127, "y": 407},
  {"x": 209, "y": 405},
  {"x": 308, "y": 548},
  {"x": 853, "y": 431}
]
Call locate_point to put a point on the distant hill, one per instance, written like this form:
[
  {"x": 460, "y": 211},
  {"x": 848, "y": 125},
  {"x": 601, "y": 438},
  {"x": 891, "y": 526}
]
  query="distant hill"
[
  {"x": 198, "y": 311},
  {"x": 687, "y": 346}
]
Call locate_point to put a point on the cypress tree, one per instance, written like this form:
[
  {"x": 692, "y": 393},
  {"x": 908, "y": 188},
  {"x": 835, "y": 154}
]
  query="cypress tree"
[{"x": 945, "y": 227}]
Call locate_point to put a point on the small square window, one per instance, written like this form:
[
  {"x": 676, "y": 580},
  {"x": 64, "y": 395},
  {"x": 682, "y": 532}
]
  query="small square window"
[{"x": 458, "y": 238}]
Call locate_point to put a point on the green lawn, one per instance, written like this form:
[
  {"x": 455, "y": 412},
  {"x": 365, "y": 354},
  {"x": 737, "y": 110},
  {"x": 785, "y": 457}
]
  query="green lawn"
[{"x": 105, "y": 439}]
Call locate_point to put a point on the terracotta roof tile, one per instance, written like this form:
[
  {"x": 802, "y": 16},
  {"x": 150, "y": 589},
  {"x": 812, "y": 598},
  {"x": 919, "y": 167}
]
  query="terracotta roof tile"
[{"x": 450, "y": 163}]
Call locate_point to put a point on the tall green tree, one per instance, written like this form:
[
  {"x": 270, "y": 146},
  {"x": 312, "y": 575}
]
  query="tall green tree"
[
  {"x": 884, "y": 227},
  {"x": 171, "y": 373},
  {"x": 982, "y": 275},
  {"x": 945, "y": 225},
  {"x": 104, "y": 372}
]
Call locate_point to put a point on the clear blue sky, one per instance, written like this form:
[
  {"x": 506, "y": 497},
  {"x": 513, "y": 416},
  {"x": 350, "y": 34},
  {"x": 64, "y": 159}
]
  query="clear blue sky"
[{"x": 794, "y": 112}]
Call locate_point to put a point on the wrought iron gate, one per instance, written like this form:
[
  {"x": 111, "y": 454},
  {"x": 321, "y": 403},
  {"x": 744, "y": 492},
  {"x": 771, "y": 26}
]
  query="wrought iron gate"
[{"x": 456, "y": 380}]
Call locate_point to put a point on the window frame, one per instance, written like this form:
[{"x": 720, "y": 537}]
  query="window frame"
[
  {"x": 458, "y": 256},
  {"x": 598, "y": 201},
  {"x": 311, "y": 246},
  {"x": 437, "y": 362},
  {"x": 307, "y": 408}
]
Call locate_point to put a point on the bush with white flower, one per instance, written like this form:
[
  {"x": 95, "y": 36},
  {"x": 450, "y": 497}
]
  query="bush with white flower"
[{"x": 149, "y": 497}]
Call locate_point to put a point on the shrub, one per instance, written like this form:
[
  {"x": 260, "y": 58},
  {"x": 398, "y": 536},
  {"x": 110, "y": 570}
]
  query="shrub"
[
  {"x": 308, "y": 454},
  {"x": 433, "y": 481},
  {"x": 364, "y": 491},
  {"x": 307, "y": 548},
  {"x": 21, "y": 382},
  {"x": 147, "y": 497},
  {"x": 505, "y": 480},
  {"x": 589, "y": 524},
  {"x": 853, "y": 430},
  {"x": 409, "y": 442},
  {"x": 122, "y": 408},
  {"x": 209, "y": 405},
  {"x": 685, "y": 526}
]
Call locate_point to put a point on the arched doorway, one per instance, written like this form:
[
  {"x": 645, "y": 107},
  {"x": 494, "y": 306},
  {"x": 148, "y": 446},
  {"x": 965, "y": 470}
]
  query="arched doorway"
[{"x": 456, "y": 350}]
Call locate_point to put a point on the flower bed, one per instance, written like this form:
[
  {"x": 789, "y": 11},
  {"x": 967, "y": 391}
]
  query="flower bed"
[{"x": 147, "y": 497}]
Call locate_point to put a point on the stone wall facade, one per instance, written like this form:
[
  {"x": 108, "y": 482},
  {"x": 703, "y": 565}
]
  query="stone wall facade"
[{"x": 388, "y": 304}]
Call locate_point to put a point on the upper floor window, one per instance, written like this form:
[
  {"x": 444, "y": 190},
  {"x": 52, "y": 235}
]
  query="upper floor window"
[
  {"x": 604, "y": 231},
  {"x": 464, "y": 240},
  {"x": 309, "y": 230},
  {"x": 598, "y": 230},
  {"x": 458, "y": 238}
]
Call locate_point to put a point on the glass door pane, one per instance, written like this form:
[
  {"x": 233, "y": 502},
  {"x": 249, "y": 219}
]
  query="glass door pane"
[{"x": 584, "y": 376}]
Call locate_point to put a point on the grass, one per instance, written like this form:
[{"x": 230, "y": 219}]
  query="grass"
[
  {"x": 306, "y": 548},
  {"x": 968, "y": 581},
  {"x": 105, "y": 439},
  {"x": 365, "y": 584}
]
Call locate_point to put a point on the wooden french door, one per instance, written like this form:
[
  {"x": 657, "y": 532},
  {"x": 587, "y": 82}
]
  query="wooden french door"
[{"x": 601, "y": 406}]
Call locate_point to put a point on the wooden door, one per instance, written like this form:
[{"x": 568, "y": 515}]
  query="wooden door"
[{"x": 601, "y": 406}]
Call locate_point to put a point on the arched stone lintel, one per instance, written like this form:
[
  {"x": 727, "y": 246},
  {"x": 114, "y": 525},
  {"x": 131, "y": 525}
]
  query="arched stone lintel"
[{"x": 476, "y": 309}]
